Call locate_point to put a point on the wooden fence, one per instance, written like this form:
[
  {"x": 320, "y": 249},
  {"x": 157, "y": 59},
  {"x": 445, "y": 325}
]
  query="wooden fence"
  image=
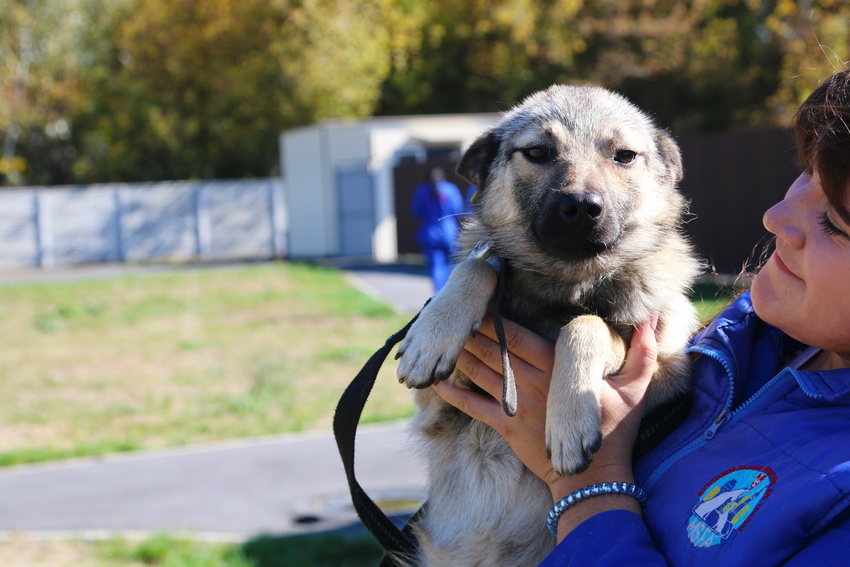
[{"x": 731, "y": 178}]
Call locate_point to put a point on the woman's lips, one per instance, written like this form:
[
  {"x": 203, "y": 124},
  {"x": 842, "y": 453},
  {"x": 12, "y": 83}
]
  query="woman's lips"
[{"x": 782, "y": 266}]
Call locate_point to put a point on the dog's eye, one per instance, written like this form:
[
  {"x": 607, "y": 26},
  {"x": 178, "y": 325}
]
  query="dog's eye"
[
  {"x": 625, "y": 156},
  {"x": 536, "y": 154}
]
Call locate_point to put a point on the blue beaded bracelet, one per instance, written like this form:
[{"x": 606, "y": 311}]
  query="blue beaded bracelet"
[{"x": 571, "y": 500}]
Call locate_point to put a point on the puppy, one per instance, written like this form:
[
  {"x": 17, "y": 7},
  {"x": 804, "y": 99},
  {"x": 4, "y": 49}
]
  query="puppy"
[{"x": 578, "y": 201}]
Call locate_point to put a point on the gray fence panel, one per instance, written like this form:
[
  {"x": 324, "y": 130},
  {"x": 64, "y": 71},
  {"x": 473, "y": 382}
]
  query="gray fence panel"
[
  {"x": 142, "y": 222},
  {"x": 18, "y": 229},
  {"x": 159, "y": 222},
  {"x": 240, "y": 219},
  {"x": 82, "y": 225}
]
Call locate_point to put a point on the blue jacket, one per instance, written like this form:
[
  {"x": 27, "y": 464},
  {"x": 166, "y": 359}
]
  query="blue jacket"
[
  {"x": 438, "y": 218},
  {"x": 759, "y": 481}
]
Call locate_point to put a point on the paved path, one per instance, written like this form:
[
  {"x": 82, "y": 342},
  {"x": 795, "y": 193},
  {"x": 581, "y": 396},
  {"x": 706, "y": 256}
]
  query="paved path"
[
  {"x": 405, "y": 287},
  {"x": 231, "y": 491}
]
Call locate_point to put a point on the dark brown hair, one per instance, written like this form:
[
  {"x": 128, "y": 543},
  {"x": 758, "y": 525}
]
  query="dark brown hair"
[{"x": 822, "y": 134}]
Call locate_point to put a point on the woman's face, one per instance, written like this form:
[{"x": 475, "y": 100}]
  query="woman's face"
[{"x": 804, "y": 289}]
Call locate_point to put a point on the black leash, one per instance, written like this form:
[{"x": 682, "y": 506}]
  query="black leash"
[
  {"x": 347, "y": 417},
  {"x": 350, "y": 407}
]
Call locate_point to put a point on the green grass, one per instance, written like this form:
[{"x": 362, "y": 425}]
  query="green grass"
[
  {"x": 148, "y": 361},
  {"x": 194, "y": 355},
  {"x": 710, "y": 298},
  {"x": 103, "y": 366},
  {"x": 321, "y": 550}
]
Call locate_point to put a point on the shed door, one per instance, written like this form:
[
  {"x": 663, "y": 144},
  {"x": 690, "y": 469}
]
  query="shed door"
[{"x": 356, "y": 211}]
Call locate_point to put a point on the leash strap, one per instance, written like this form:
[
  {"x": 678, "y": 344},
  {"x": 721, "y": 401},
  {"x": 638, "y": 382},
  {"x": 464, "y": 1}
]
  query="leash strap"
[
  {"x": 346, "y": 418},
  {"x": 509, "y": 400}
]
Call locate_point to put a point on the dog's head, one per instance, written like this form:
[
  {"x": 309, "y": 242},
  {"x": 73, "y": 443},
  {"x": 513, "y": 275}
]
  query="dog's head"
[{"x": 578, "y": 176}]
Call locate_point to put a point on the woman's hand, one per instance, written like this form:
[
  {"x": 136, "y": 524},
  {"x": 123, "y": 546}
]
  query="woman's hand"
[{"x": 532, "y": 359}]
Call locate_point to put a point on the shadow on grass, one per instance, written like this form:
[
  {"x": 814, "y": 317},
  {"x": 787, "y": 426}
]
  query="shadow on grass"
[
  {"x": 314, "y": 550},
  {"x": 348, "y": 546}
]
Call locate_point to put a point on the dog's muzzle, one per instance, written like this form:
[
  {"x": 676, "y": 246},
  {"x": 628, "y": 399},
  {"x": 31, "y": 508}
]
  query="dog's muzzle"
[{"x": 572, "y": 225}]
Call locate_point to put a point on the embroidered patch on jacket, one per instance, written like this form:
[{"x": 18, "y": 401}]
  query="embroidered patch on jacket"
[{"x": 727, "y": 504}]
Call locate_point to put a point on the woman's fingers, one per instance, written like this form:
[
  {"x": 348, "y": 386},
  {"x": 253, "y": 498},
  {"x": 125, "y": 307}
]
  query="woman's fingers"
[
  {"x": 524, "y": 345},
  {"x": 481, "y": 361},
  {"x": 477, "y": 406},
  {"x": 642, "y": 356},
  {"x": 481, "y": 374}
]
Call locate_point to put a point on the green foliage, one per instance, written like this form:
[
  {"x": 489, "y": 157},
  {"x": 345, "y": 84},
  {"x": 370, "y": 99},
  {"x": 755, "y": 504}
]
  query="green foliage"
[
  {"x": 131, "y": 90},
  {"x": 695, "y": 65}
]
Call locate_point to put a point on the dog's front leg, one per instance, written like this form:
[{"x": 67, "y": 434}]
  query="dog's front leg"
[
  {"x": 586, "y": 351},
  {"x": 430, "y": 350}
]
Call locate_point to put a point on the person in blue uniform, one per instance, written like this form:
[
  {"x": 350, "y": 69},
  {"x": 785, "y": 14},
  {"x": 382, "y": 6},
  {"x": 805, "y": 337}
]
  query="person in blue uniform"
[
  {"x": 758, "y": 472},
  {"x": 438, "y": 204}
]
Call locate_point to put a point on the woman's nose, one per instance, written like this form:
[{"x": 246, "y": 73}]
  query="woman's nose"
[{"x": 784, "y": 219}]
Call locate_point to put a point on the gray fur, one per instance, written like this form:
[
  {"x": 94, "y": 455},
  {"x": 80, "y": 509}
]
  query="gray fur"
[{"x": 583, "y": 279}]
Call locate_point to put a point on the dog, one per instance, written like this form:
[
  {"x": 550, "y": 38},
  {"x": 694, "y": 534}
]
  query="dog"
[{"x": 578, "y": 200}]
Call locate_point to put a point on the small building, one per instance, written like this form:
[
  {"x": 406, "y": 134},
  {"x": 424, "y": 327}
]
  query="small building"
[{"x": 341, "y": 180}]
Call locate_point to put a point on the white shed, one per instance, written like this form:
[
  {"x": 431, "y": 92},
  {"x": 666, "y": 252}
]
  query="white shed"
[{"x": 338, "y": 178}]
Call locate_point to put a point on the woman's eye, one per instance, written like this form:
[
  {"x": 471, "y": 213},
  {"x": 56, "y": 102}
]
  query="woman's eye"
[
  {"x": 829, "y": 227},
  {"x": 536, "y": 154},
  {"x": 625, "y": 157}
]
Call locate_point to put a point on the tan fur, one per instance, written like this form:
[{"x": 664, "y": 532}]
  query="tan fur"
[{"x": 582, "y": 280}]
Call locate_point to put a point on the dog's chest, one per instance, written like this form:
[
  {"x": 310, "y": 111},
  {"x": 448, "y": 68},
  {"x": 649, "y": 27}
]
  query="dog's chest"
[{"x": 545, "y": 308}]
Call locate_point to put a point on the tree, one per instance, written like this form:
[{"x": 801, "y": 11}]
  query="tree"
[
  {"x": 132, "y": 90},
  {"x": 816, "y": 41},
  {"x": 39, "y": 57},
  {"x": 203, "y": 88},
  {"x": 697, "y": 65}
]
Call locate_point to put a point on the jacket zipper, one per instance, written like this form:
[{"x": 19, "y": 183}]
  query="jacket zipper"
[
  {"x": 700, "y": 439},
  {"x": 726, "y": 415}
]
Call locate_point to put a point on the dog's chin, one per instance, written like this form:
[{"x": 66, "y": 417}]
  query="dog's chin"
[
  {"x": 578, "y": 246},
  {"x": 573, "y": 250}
]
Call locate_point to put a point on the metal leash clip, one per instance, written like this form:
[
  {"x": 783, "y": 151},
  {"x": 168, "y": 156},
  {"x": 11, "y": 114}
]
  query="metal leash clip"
[{"x": 484, "y": 251}]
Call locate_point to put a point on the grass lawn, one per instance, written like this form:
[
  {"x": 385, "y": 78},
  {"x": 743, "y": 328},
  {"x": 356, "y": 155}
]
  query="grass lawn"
[
  {"x": 168, "y": 551},
  {"x": 147, "y": 361},
  {"x": 164, "y": 359}
]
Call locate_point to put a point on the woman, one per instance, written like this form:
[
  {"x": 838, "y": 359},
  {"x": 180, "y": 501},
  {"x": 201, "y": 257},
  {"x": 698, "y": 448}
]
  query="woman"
[{"x": 758, "y": 473}]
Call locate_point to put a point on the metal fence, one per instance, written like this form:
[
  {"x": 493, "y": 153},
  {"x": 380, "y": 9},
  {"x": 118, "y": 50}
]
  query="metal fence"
[{"x": 170, "y": 221}]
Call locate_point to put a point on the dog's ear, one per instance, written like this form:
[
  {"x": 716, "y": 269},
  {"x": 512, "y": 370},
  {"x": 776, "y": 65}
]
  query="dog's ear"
[
  {"x": 475, "y": 164},
  {"x": 670, "y": 154}
]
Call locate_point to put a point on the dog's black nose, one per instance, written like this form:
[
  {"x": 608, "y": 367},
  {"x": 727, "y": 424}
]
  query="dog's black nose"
[
  {"x": 574, "y": 225},
  {"x": 580, "y": 210}
]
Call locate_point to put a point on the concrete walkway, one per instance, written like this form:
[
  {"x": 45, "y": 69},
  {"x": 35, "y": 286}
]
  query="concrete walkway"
[
  {"x": 229, "y": 491},
  {"x": 226, "y": 491}
]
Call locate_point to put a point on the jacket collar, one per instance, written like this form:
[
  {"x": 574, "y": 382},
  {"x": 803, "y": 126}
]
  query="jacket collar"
[{"x": 738, "y": 326}]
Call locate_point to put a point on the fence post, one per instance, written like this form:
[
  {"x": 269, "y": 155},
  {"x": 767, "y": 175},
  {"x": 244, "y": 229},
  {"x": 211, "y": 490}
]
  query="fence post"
[
  {"x": 277, "y": 212},
  {"x": 120, "y": 245},
  {"x": 43, "y": 231},
  {"x": 203, "y": 229}
]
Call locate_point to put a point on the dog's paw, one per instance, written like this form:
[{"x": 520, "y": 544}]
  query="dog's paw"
[
  {"x": 573, "y": 436},
  {"x": 428, "y": 356}
]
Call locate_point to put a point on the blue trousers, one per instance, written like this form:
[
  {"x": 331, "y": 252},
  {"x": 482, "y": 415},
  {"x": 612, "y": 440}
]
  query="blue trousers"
[{"x": 439, "y": 262}]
